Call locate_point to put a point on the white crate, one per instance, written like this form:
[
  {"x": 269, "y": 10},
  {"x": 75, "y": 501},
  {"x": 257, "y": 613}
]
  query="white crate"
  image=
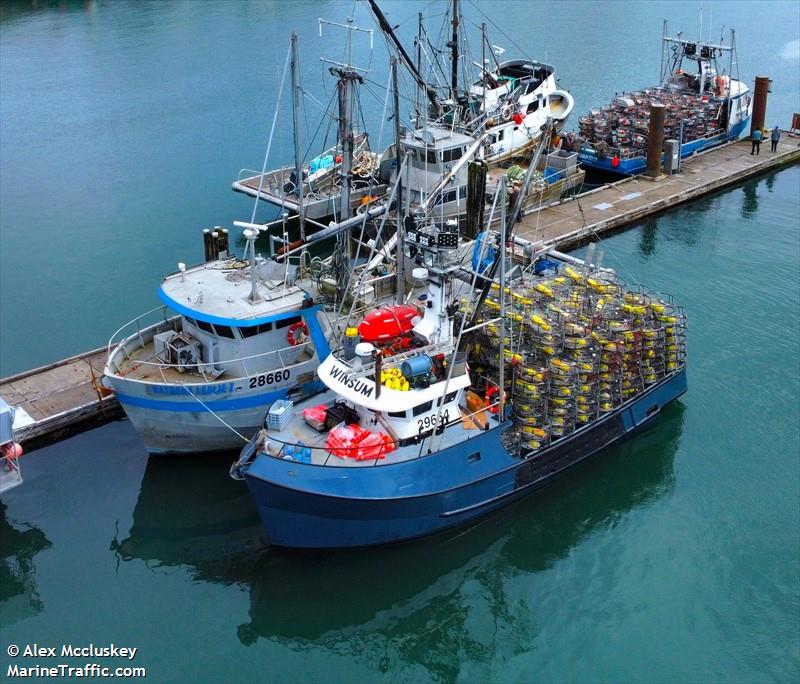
[{"x": 279, "y": 414}]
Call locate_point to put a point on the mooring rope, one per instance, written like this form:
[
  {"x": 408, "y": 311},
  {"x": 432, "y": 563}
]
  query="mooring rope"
[{"x": 200, "y": 401}]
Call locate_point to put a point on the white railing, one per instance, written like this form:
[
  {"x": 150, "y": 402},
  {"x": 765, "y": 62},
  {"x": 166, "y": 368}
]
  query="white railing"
[{"x": 154, "y": 361}]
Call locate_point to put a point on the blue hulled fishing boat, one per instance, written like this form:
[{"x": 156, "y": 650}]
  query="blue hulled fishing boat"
[
  {"x": 495, "y": 388},
  {"x": 705, "y": 106}
]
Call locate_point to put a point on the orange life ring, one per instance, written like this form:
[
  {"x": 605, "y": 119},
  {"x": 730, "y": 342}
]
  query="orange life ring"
[
  {"x": 490, "y": 392},
  {"x": 293, "y": 339}
]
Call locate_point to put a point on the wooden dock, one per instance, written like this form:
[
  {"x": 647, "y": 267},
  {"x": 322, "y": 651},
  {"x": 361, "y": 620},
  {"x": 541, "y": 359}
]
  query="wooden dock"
[
  {"x": 565, "y": 224},
  {"x": 62, "y": 397}
]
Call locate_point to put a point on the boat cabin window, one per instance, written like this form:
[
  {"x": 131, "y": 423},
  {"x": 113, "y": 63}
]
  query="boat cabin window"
[
  {"x": 286, "y": 322},
  {"x": 250, "y": 330},
  {"x": 453, "y": 154},
  {"x": 224, "y": 331},
  {"x": 397, "y": 414},
  {"x": 423, "y": 408},
  {"x": 462, "y": 192},
  {"x": 205, "y": 326},
  {"x": 450, "y": 397}
]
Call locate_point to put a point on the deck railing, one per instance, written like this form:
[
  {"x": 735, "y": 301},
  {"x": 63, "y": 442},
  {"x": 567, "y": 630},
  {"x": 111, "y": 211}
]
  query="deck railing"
[{"x": 123, "y": 344}]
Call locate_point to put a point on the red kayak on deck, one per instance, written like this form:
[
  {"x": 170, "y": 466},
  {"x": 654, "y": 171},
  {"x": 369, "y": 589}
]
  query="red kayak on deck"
[{"x": 387, "y": 322}]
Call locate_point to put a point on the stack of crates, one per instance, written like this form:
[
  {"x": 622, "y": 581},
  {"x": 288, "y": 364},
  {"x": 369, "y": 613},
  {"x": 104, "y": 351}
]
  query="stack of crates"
[{"x": 279, "y": 414}]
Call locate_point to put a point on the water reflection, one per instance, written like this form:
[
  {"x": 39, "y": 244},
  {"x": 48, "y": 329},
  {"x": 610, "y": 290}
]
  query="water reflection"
[
  {"x": 420, "y": 608},
  {"x": 189, "y": 512},
  {"x": 749, "y": 200},
  {"x": 647, "y": 237},
  {"x": 19, "y": 597}
]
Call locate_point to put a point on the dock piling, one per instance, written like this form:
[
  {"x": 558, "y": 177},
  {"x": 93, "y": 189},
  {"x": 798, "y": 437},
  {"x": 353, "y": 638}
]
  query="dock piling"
[
  {"x": 760, "y": 103},
  {"x": 655, "y": 139}
]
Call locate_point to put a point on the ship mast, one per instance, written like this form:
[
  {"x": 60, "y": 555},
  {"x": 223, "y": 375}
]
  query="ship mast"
[
  {"x": 298, "y": 170},
  {"x": 401, "y": 276},
  {"x": 404, "y": 57},
  {"x": 453, "y": 45}
]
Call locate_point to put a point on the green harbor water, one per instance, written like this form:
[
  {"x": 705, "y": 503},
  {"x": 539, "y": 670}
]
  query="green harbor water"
[{"x": 674, "y": 557}]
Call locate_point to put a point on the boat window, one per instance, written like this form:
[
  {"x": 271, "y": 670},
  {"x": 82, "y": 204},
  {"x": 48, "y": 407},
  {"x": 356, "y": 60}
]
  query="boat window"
[
  {"x": 422, "y": 408},
  {"x": 450, "y": 397},
  {"x": 453, "y": 154},
  {"x": 431, "y": 156},
  {"x": 397, "y": 414},
  {"x": 286, "y": 322},
  {"x": 205, "y": 326},
  {"x": 250, "y": 330},
  {"x": 449, "y": 196},
  {"x": 462, "y": 192},
  {"x": 225, "y": 331}
]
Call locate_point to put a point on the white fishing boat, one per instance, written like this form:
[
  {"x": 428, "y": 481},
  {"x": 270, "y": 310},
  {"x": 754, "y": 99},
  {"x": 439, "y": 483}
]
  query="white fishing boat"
[
  {"x": 507, "y": 106},
  {"x": 233, "y": 336}
]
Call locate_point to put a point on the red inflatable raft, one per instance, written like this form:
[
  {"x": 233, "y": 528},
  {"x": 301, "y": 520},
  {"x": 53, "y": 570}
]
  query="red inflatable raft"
[{"x": 387, "y": 322}]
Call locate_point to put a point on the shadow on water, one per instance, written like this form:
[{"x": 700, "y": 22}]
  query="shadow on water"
[
  {"x": 19, "y": 597},
  {"x": 406, "y": 600}
]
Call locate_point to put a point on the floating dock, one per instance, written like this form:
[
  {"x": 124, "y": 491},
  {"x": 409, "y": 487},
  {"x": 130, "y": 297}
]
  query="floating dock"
[
  {"x": 65, "y": 396},
  {"x": 59, "y": 398},
  {"x": 586, "y": 216}
]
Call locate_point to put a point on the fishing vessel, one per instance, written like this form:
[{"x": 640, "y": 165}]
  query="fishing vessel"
[
  {"x": 231, "y": 337},
  {"x": 706, "y": 105},
  {"x": 493, "y": 392},
  {"x": 507, "y": 107}
]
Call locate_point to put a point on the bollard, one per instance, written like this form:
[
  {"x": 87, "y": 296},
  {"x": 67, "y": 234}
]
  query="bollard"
[
  {"x": 759, "y": 103},
  {"x": 655, "y": 139}
]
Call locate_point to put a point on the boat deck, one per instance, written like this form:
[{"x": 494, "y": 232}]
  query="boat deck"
[
  {"x": 299, "y": 432},
  {"x": 581, "y": 218},
  {"x": 142, "y": 364}
]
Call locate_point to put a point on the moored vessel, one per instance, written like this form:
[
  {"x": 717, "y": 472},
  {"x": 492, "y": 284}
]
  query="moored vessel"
[
  {"x": 499, "y": 389},
  {"x": 706, "y": 105}
]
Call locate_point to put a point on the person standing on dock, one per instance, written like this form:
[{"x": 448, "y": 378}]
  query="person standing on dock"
[
  {"x": 756, "y": 138},
  {"x": 774, "y": 137}
]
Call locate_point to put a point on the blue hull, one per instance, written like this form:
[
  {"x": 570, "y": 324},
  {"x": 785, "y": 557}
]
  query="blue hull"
[
  {"x": 635, "y": 165},
  {"x": 310, "y": 506}
]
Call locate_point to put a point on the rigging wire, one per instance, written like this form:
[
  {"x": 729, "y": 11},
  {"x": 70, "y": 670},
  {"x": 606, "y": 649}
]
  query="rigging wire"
[
  {"x": 271, "y": 134},
  {"x": 499, "y": 30}
]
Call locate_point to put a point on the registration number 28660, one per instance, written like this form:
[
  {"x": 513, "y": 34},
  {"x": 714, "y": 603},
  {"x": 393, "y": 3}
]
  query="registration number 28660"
[{"x": 269, "y": 378}]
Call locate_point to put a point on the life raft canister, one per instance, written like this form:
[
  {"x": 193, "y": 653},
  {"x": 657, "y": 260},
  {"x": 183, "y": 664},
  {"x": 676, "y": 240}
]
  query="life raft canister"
[
  {"x": 297, "y": 333},
  {"x": 387, "y": 322}
]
